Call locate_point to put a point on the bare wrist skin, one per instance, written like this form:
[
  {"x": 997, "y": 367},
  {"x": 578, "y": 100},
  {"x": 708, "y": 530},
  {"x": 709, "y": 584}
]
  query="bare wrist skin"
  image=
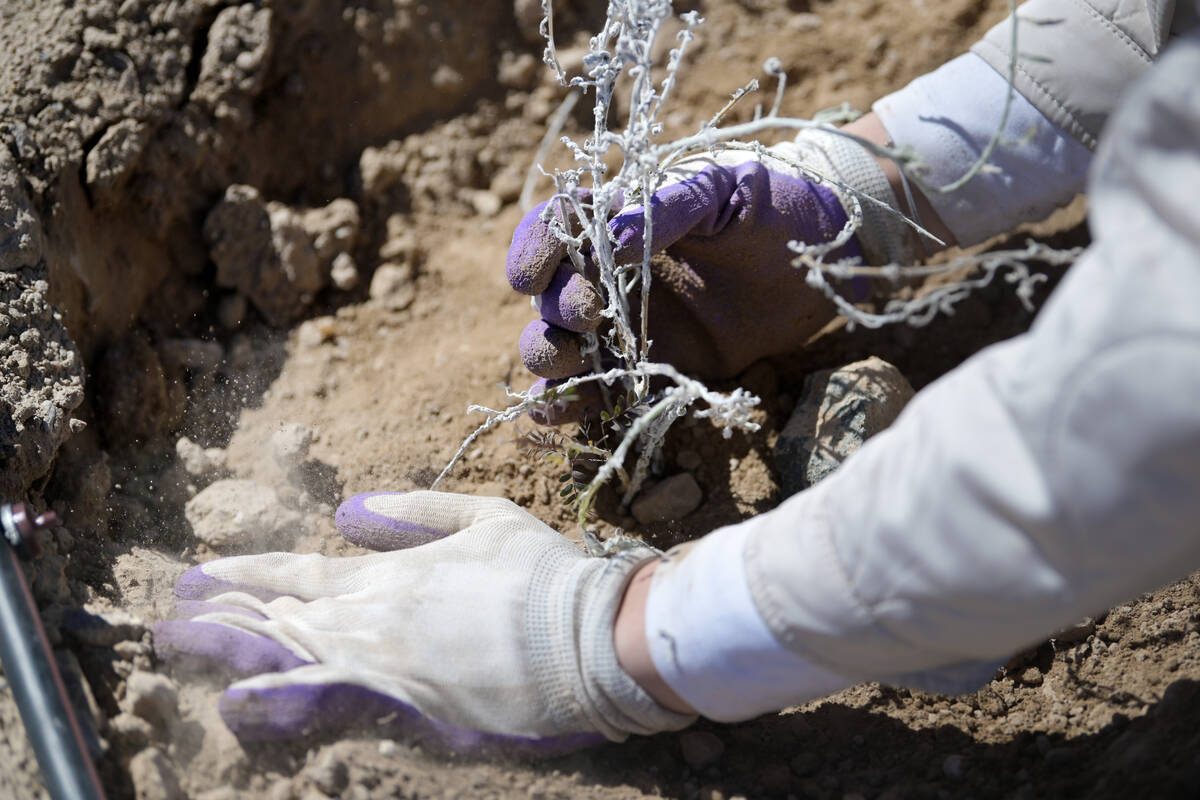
[
  {"x": 629, "y": 639},
  {"x": 870, "y": 128}
]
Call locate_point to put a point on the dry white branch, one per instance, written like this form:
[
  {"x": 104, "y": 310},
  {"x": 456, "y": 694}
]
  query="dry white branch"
[{"x": 587, "y": 197}]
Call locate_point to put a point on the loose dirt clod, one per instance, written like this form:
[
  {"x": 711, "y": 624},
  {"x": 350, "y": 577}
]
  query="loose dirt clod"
[
  {"x": 240, "y": 515},
  {"x": 152, "y": 775},
  {"x": 672, "y": 498},
  {"x": 153, "y": 697},
  {"x": 41, "y": 373}
]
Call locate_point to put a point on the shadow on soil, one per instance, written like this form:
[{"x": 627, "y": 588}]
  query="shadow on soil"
[{"x": 839, "y": 752}]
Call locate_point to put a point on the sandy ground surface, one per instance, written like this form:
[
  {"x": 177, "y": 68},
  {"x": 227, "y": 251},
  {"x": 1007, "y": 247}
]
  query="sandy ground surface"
[{"x": 381, "y": 378}]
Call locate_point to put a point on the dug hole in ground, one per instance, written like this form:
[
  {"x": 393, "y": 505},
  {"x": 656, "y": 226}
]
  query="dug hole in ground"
[{"x": 253, "y": 258}]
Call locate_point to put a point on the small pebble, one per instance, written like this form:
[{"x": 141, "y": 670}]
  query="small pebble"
[{"x": 670, "y": 499}]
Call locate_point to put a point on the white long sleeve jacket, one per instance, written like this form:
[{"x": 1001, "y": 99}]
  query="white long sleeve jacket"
[{"x": 1045, "y": 479}]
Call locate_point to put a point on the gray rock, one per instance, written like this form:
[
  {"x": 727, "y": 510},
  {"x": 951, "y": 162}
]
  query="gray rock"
[
  {"x": 670, "y": 499},
  {"x": 234, "y": 65},
  {"x": 701, "y": 749},
  {"x": 838, "y": 410},
  {"x": 235, "y": 514}
]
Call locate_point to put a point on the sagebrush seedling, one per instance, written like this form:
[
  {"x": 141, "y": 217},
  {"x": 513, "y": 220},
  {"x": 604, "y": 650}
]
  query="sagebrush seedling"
[{"x": 588, "y": 196}]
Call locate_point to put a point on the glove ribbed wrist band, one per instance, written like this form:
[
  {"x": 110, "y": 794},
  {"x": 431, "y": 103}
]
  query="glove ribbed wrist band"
[
  {"x": 569, "y": 619},
  {"x": 885, "y": 238}
]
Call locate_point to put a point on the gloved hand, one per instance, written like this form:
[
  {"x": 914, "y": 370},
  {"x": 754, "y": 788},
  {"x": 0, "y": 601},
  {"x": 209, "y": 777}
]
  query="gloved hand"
[
  {"x": 478, "y": 629},
  {"x": 724, "y": 293}
]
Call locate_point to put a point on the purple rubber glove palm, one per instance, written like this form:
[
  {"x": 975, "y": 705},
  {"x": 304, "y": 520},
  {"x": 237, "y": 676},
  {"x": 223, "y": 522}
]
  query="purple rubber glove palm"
[
  {"x": 478, "y": 629},
  {"x": 724, "y": 293}
]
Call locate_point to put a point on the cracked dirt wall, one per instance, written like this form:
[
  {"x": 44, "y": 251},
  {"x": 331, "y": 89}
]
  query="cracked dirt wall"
[{"x": 124, "y": 122}]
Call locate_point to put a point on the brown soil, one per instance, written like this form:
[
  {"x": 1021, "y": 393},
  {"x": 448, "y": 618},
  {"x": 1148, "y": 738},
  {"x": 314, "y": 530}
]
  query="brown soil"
[{"x": 127, "y": 123}]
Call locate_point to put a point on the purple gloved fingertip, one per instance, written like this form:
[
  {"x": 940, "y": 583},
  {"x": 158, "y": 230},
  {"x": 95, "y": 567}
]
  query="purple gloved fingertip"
[
  {"x": 548, "y": 351},
  {"x": 190, "y": 609},
  {"x": 534, "y": 254},
  {"x": 366, "y": 528},
  {"x": 212, "y": 646},
  {"x": 570, "y": 301},
  {"x": 299, "y": 710},
  {"x": 196, "y": 584}
]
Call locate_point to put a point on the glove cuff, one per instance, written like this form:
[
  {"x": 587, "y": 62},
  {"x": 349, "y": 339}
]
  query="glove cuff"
[
  {"x": 884, "y": 236},
  {"x": 618, "y": 697},
  {"x": 569, "y": 621}
]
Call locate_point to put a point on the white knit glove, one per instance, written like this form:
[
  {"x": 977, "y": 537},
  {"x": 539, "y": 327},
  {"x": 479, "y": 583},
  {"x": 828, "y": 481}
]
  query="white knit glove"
[{"x": 493, "y": 632}]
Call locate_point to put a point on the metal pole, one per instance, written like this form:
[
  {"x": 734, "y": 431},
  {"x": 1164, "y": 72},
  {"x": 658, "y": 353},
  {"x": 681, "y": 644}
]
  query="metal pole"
[{"x": 32, "y": 672}]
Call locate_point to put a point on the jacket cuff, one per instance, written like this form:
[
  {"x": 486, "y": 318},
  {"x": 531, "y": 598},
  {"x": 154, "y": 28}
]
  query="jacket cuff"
[
  {"x": 711, "y": 645},
  {"x": 947, "y": 119},
  {"x": 883, "y": 235}
]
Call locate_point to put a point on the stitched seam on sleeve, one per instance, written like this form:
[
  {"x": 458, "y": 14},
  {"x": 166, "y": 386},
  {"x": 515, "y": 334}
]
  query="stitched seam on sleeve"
[
  {"x": 1070, "y": 122},
  {"x": 764, "y": 597},
  {"x": 1112, "y": 27},
  {"x": 1077, "y": 128}
]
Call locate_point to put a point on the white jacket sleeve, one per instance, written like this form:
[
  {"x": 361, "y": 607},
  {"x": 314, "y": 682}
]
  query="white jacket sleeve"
[
  {"x": 1045, "y": 479},
  {"x": 1077, "y": 59}
]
